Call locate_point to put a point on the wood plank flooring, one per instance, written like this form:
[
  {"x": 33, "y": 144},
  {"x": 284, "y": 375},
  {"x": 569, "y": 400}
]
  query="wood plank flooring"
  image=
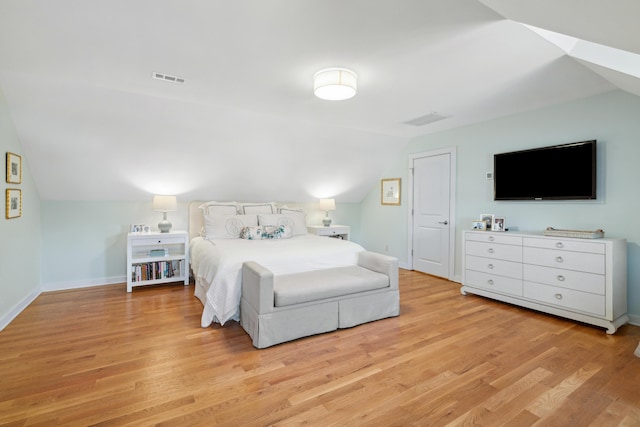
[{"x": 101, "y": 356}]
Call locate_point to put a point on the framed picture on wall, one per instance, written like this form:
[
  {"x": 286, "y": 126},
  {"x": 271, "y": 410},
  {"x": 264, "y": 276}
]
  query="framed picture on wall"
[
  {"x": 13, "y": 203},
  {"x": 14, "y": 168},
  {"x": 390, "y": 191}
]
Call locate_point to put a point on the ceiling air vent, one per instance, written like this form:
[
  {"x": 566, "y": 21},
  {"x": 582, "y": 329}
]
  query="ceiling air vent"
[
  {"x": 167, "y": 77},
  {"x": 425, "y": 120}
]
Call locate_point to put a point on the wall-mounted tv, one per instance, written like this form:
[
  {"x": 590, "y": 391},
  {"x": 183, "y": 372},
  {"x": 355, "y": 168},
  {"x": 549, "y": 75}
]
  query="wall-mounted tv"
[{"x": 559, "y": 172}]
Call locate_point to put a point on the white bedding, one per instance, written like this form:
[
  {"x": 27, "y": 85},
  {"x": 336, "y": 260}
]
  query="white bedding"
[{"x": 217, "y": 264}]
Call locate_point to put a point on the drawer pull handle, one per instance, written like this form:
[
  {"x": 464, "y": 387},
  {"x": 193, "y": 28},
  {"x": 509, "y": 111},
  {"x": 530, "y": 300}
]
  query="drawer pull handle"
[
  {"x": 559, "y": 245},
  {"x": 559, "y": 259},
  {"x": 491, "y": 238},
  {"x": 490, "y": 250},
  {"x": 558, "y": 296},
  {"x": 560, "y": 278},
  {"x": 490, "y": 281},
  {"x": 159, "y": 241},
  {"x": 490, "y": 266}
]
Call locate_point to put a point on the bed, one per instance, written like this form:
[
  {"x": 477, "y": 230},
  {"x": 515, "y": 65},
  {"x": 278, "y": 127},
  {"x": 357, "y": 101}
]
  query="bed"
[{"x": 217, "y": 252}]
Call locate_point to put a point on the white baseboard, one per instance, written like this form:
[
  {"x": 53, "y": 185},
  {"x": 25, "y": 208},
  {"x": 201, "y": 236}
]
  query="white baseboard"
[
  {"x": 17, "y": 309},
  {"x": 634, "y": 320},
  {"x": 63, "y": 286}
]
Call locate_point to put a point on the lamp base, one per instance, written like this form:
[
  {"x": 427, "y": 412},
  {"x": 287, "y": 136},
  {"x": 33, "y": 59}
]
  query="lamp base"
[
  {"x": 164, "y": 226},
  {"x": 326, "y": 221}
]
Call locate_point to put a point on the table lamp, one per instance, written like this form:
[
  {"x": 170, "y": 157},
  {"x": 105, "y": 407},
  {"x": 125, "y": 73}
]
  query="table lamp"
[
  {"x": 164, "y": 204},
  {"x": 327, "y": 205}
]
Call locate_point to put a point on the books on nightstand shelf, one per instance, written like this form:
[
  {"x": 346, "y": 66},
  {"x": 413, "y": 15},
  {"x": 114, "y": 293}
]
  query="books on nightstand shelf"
[{"x": 157, "y": 270}]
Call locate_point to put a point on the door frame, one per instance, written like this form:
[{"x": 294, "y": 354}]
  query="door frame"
[{"x": 452, "y": 205}]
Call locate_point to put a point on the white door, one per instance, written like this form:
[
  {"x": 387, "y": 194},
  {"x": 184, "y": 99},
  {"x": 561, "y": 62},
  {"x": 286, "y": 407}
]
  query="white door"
[{"x": 432, "y": 228}]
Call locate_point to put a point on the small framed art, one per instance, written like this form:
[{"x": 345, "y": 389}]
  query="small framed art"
[
  {"x": 14, "y": 168},
  {"x": 498, "y": 224},
  {"x": 390, "y": 191},
  {"x": 14, "y": 203},
  {"x": 479, "y": 225},
  {"x": 488, "y": 219}
]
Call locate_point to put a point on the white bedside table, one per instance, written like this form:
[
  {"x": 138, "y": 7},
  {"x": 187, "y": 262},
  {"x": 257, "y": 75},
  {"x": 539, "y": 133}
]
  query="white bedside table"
[
  {"x": 337, "y": 231},
  {"x": 154, "y": 258}
]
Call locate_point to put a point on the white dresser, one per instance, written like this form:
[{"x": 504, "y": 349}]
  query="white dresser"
[{"x": 580, "y": 279}]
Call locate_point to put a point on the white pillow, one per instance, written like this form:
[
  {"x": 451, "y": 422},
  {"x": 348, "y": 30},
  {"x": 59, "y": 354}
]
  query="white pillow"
[
  {"x": 288, "y": 210},
  {"x": 227, "y": 226},
  {"x": 219, "y": 208},
  {"x": 296, "y": 221},
  {"x": 257, "y": 208}
]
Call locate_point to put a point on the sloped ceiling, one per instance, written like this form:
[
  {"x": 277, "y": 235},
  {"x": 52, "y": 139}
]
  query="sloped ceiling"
[{"x": 95, "y": 125}]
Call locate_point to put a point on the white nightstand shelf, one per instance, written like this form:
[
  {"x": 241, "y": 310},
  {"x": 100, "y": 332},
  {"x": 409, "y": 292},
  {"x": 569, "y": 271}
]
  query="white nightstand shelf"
[
  {"x": 336, "y": 231},
  {"x": 146, "y": 267}
]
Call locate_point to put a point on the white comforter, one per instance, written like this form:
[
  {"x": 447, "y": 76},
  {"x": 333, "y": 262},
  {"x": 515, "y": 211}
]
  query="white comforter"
[{"x": 218, "y": 263}]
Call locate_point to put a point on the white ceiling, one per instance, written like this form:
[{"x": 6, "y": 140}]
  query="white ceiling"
[{"x": 94, "y": 125}]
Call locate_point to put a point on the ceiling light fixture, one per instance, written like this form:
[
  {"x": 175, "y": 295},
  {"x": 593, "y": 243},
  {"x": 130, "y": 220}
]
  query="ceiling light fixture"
[{"x": 335, "y": 84}]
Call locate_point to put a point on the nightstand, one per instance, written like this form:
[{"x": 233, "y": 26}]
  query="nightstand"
[
  {"x": 337, "y": 231},
  {"x": 155, "y": 258}
]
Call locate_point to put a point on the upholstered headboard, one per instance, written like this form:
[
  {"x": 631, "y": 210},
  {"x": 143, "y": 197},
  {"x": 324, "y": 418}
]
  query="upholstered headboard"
[{"x": 196, "y": 220}]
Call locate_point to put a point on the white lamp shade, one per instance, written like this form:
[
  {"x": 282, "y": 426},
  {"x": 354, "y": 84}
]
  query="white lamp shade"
[
  {"x": 335, "y": 84},
  {"x": 165, "y": 203},
  {"x": 327, "y": 204}
]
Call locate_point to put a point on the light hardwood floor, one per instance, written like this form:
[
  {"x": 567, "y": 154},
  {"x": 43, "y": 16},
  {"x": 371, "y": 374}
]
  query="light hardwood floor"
[{"x": 101, "y": 356}]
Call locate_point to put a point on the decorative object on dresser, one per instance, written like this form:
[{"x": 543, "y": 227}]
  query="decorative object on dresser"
[
  {"x": 578, "y": 234},
  {"x": 327, "y": 205},
  {"x": 156, "y": 257},
  {"x": 479, "y": 225},
  {"x": 498, "y": 224},
  {"x": 164, "y": 204},
  {"x": 337, "y": 231},
  {"x": 573, "y": 278},
  {"x": 390, "y": 191},
  {"x": 488, "y": 219}
]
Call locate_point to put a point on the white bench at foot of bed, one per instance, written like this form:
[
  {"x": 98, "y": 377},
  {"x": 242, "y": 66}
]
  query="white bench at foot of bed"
[{"x": 283, "y": 308}]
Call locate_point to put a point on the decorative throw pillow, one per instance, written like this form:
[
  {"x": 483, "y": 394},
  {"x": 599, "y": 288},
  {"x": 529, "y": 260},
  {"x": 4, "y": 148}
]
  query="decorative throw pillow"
[
  {"x": 227, "y": 226},
  {"x": 296, "y": 221},
  {"x": 266, "y": 232}
]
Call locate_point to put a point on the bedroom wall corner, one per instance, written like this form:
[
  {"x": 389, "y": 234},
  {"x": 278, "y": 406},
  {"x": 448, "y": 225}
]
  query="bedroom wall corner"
[{"x": 20, "y": 245}]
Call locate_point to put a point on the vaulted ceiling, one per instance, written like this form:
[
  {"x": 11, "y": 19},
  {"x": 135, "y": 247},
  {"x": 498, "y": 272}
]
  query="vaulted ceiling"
[{"x": 95, "y": 125}]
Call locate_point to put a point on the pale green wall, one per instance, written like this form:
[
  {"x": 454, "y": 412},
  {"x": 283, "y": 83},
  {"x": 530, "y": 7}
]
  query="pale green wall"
[
  {"x": 19, "y": 237},
  {"x": 84, "y": 242},
  {"x": 612, "y": 119}
]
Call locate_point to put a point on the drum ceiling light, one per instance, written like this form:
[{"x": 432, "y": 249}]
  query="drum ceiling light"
[{"x": 335, "y": 84}]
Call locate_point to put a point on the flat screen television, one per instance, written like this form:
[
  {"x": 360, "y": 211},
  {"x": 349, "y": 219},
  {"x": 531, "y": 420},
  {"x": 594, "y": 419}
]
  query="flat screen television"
[{"x": 559, "y": 172}]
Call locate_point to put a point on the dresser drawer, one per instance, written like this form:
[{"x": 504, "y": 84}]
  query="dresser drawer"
[
  {"x": 494, "y": 266},
  {"x": 566, "y": 245},
  {"x": 483, "y": 236},
  {"x": 570, "y": 279},
  {"x": 494, "y": 250},
  {"x": 566, "y": 298},
  {"x": 581, "y": 261},
  {"x": 492, "y": 282}
]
